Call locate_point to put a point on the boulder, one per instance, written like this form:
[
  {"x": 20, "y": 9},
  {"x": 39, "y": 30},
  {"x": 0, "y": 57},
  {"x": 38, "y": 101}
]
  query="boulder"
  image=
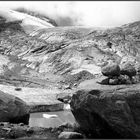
[
  {"x": 111, "y": 70},
  {"x": 13, "y": 109},
  {"x": 70, "y": 135},
  {"x": 104, "y": 81},
  {"x": 105, "y": 111},
  {"x": 122, "y": 79},
  {"x": 128, "y": 68}
]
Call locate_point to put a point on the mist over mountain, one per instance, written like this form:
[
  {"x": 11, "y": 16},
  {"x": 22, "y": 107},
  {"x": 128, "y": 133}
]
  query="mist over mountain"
[
  {"x": 59, "y": 20},
  {"x": 95, "y": 14},
  {"x": 36, "y": 14}
]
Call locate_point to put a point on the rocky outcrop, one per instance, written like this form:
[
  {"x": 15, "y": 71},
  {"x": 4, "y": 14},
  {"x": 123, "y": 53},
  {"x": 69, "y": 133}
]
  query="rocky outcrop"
[
  {"x": 105, "y": 111},
  {"x": 38, "y": 99},
  {"x": 56, "y": 106},
  {"x": 13, "y": 109}
]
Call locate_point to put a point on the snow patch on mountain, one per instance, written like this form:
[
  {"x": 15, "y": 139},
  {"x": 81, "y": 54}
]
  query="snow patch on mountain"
[{"x": 29, "y": 23}]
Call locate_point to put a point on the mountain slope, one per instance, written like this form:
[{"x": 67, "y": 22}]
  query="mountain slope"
[{"x": 46, "y": 56}]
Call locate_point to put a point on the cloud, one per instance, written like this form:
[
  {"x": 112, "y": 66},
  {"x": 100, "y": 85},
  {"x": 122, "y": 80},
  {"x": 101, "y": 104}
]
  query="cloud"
[{"x": 90, "y": 13}]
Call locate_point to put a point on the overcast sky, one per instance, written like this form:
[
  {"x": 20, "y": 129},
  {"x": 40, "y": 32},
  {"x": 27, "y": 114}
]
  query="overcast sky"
[{"x": 90, "y": 13}]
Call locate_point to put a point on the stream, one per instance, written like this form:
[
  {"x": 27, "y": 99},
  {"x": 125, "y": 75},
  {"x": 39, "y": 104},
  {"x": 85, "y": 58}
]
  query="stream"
[{"x": 51, "y": 119}]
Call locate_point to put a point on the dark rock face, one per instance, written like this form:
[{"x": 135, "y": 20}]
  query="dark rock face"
[
  {"x": 111, "y": 70},
  {"x": 128, "y": 69},
  {"x": 108, "y": 112},
  {"x": 70, "y": 135},
  {"x": 13, "y": 109},
  {"x": 47, "y": 108}
]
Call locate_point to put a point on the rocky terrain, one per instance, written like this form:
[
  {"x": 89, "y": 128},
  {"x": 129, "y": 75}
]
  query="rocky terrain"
[
  {"x": 21, "y": 131},
  {"x": 107, "y": 111},
  {"x": 43, "y": 66}
]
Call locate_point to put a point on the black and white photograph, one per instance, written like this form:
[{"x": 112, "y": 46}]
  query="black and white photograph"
[{"x": 69, "y": 70}]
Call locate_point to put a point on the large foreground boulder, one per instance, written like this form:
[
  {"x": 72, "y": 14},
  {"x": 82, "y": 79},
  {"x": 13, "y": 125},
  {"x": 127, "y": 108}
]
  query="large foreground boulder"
[
  {"x": 104, "y": 111},
  {"x": 13, "y": 109}
]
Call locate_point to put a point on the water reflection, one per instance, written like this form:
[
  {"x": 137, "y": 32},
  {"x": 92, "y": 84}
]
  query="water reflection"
[{"x": 37, "y": 119}]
